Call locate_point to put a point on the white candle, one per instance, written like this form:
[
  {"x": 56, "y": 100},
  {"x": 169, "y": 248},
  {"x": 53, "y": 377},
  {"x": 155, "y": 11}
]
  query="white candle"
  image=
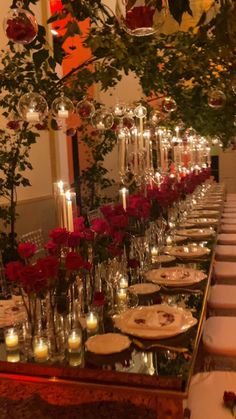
[
  {"x": 32, "y": 116},
  {"x": 70, "y": 224},
  {"x": 122, "y": 295},
  {"x": 124, "y": 194},
  {"x": 41, "y": 350},
  {"x": 63, "y": 113},
  {"x": 124, "y": 282},
  {"x": 91, "y": 322},
  {"x": 74, "y": 341},
  {"x": 11, "y": 339},
  {"x": 135, "y": 134}
]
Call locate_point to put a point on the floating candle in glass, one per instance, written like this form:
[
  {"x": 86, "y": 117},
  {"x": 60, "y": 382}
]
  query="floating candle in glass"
[
  {"x": 74, "y": 341},
  {"x": 122, "y": 295},
  {"x": 91, "y": 322},
  {"x": 41, "y": 349},
  {"x": 11, "y": 339},
  {"x": 124, "y": 282}
]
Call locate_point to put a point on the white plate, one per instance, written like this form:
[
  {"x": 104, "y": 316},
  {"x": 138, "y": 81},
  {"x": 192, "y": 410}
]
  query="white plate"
[
  {"x": 144, "y": 289},
  {"x": 190, "y": 251},
  {"x": 107, "y": 344},
  {"x": 155, "y": 322},
  {"x": 197, "y": 233},
  {"x": 175, "y": 276}
]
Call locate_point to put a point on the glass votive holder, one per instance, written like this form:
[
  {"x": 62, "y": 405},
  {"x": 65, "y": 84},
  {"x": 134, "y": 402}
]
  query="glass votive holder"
[
  {"x": 13, "y": 357},
  {"x": 74, "y": 341},
  {"x": 92, "y": 322},
  {"x": 41, "y": 349},
  {"x": 121, "y": 296},
  {"x": 75, "y": 359},
  {"x": 11, "y": 336}
]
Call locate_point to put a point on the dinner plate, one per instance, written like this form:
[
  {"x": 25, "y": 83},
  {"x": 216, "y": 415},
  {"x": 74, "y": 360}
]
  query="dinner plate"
[
  {"x": 179, "y": 238},
  {"x": 107, "y": 344},
  {"x": 197, "y": 233},
  {"x": 155, "y": 322},
  {"x": 202, "y": 221},
  {"x": 144, "y": 289},
  {"x": 189, "y": 252},
  {"x": 163, "y": 259},
  {"x": 204, "y": 213},
  {"x": 175, "y": 276}
]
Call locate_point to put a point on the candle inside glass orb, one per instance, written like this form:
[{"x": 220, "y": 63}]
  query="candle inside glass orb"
[
  {"x": 91, "y": 322},
  {"x": 11, "y": 339}
]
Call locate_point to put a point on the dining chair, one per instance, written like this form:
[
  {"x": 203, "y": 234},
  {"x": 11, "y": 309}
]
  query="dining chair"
[
  {"x": 35, "y": 237},
  {"x": 206, "y": 392}
]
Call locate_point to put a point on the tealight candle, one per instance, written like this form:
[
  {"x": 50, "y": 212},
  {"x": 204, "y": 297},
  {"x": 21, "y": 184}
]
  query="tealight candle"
[
  {"x": 11, "y": 339},
  {"x": 91, "y": 322},
  {"x": 63, "y": 114},
  {"x": 124, "y": 282},
  {"x": 74, "y": 341},
  {"x": 169, "y": 241},
  {"x": 41, "y": 350},
  {"x": 32, "y": 116},
  {"x": 122, "y": 295}
]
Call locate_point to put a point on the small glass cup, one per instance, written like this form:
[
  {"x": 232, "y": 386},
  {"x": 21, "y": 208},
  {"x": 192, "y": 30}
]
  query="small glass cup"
[
  {"x": 11, "y": 336},
  {"x": 74, "y": 341},
  {"x": 41, "y": 349}
]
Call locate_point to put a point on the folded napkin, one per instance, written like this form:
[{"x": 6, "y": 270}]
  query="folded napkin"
[
  {"x": 225, "y": 270},
  {"x": 224, "y": 238},
  {"x": 204, "y": 403},
  {"x": 226, "y": 253}
]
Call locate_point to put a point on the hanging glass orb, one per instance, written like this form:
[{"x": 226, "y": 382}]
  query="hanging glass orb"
[
  {"x": 190, "y": 133},
  {"x": 32, "y": 107},
  {"x": 216, "y": 99},
  {"x": 102, "y": 120},
  {"x": 169, "y": 105},
  {"x": 155, "y": 117},
  {"x": 119, "y": 110},
  {"x": 140, "y": 111},
  {"x": 62, "y": 107},
  {"x": 85, "y": 109},
  {"x": 20, "y": 26},
  {"x": 129, "y": 111},
  {"x": 139, "y": 17}
]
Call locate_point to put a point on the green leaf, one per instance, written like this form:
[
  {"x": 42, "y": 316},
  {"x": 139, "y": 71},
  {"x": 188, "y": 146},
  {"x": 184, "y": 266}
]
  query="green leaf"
[{"x": 40, "y": 57}]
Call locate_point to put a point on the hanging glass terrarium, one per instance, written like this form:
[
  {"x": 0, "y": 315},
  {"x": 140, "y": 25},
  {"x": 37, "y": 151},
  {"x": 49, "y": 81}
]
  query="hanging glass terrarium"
[
  {"x": 141, "y": 17},
  {"x": 20, "y": 25},
  {"x": 32, "y": 107}
]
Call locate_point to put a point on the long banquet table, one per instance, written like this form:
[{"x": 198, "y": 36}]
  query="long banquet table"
[{"x": 144, "y": 381}]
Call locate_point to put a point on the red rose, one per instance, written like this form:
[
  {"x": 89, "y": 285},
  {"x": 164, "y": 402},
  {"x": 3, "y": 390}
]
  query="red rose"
[
  {"x": 74, "y": 261},
  {"x": 12, "y": 270},
  {"x": 79, "y": 224},
  {"x": 49, "y": 266},
  {"x": 20, "y": 29},
  {"x": 140, "y": 17},
  {"x": 100, "y": 226},
  {"x": 51, "y": 247},
  {"x": 26, "y": 250},
  {"x": 31, "y": 278},
  {"x": 59, "y": 236},
  {"x": 118, "y": 237},
  {"x": 119, "y": 221},
  {"x": 114, "y": 250},
  {"x": 229, "y": 399},
  {"x": 99, "y": 299},
  {"x": 87, "y": 235},
  {"x": 133, "y": 263},
  {"x": 74, "y": 239}
]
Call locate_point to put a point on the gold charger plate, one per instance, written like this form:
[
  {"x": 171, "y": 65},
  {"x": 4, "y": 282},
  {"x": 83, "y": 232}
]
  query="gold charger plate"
[
  {"x": 189, "y": 252},
  {"x": 155, "y": 322},
  {"x": 197, "y": 233},
  {"x": 107, "y": 344},
  {"x": 175, "y": 276}
]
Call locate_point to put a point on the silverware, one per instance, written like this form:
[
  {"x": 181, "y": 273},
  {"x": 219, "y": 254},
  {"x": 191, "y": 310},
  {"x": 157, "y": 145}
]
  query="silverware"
[{"x": 157, "y": 345}]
